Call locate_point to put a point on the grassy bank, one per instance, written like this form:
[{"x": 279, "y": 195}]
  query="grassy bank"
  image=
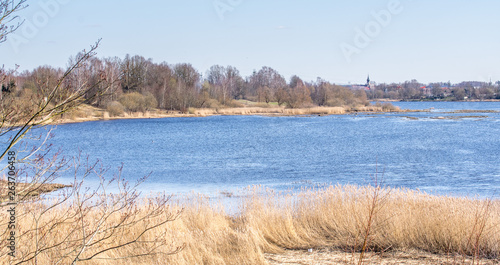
[
  {"x": 26, "y": 190},
  {"x": 89, "y": 113},
  {"x": 351, "y": 220}
]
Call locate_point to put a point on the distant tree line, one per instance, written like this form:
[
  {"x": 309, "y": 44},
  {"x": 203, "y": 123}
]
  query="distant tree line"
[
  {"x": 135, "y": 83},
  {"x": 413, "y": 90},
  {"x": 139, "y": 84}
]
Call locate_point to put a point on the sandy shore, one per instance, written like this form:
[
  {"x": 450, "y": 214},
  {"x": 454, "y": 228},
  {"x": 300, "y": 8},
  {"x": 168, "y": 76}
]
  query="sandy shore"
[{"x": 328, "y": 257}]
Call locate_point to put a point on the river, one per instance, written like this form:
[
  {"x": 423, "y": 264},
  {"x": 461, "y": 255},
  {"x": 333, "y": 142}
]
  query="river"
[{"x": 437, "y": 151}]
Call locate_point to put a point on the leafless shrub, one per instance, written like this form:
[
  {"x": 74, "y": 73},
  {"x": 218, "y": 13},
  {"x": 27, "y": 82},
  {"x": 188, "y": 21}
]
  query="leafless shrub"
[
  {"x": 137, "y": 102},
  {"x": 115, "y": 108},
  {"x": 8, "y": 21},
  {"x": 110, "y": 221}
]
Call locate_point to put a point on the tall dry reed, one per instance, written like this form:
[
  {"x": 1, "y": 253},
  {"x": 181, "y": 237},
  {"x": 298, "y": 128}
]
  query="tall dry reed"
[{"x": 327, "y": 217}]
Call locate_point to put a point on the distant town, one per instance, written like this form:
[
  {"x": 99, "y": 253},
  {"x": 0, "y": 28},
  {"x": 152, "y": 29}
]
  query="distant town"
[
  {"x": 414, "y": 90},
  {"x": 137, "y": 84}
]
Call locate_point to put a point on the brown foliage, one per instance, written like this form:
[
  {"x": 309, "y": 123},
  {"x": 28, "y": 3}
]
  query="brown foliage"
[
  {"x": 137, "y": 102},
  {"x": 115, "y": 108}
]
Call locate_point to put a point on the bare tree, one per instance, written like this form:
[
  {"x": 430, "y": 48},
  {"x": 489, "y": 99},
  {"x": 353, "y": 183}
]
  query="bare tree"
[
  {"x": 266, "y": 83},
  {"x": 49, "y": 102},
  {"x": 187, "y": 86},
  {"x": 298, "y": 93},
  {"x": 112, "y": 69},
  {"x": 224, "y": 82},
  {"x": 436, "y": 90},
  {"x": 134, "y": 72},
  {"x": 80, "y": 223},
  {"x": 110, "y": 222},
  {"x": 9, "y": 22}
]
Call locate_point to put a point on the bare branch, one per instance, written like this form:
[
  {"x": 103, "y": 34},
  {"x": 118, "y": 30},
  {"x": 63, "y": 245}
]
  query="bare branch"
[{"x": 9, "y": 22}]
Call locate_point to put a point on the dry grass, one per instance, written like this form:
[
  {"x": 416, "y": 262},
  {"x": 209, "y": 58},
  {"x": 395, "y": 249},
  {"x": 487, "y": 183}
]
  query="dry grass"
[
  {"x": 405, "y": 220},
  {"x": 331, "y": 218},
  {"x": 29, "y": 189},
  {"x": 270, "y": 110},
  {"x": 282, "y": 111},
  {"x": 46, "y": 235},
  {"x": 335, "y": 257},
  {"x": 385, "y": 107},
  {"x": 89, "y": 113},
  {"x": 317, "y": 111}
]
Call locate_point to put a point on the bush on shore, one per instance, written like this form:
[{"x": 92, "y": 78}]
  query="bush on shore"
[
  {"x": 136, "y": 102},
  {"x": 115, "y": 109}
]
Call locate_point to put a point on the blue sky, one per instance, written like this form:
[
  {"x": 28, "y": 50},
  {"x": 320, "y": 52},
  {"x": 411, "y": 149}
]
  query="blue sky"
[{"x": 340, "y": 41}]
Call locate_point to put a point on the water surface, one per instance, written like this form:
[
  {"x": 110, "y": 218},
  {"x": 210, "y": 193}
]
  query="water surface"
[{"x": 422, "y": 150}]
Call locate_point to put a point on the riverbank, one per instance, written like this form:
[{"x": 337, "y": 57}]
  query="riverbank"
[
  {"x": 432, "y": 100},
  {"x": 329, "y": 225},
  {"x": 335, "y": 257},
  {"x": 28, "y": 190},
  {"x": 89, "y": 113}
]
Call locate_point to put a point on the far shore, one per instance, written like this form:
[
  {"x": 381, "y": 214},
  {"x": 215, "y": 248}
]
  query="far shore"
[
  {"x": 435, "y": 100},
  {"x": 88, "y": 113}
]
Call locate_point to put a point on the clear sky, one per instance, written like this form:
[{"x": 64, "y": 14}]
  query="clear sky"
[{"x": 340, "y": 41}]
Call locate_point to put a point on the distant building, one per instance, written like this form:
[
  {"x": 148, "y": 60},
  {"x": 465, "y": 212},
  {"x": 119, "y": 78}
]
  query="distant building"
[
  {"x": 426, "y": 91},
  {"x": 368, "y": 86}
]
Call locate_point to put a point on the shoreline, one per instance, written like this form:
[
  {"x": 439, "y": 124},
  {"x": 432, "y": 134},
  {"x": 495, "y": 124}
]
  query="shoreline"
[
  {"x": 87, "y": 113},
  {"x": 316, "y": 227},
  {"x": 421, "y": 100},
  {"x": 336, "y": 256},
  {"x": 29, "y": 190}
]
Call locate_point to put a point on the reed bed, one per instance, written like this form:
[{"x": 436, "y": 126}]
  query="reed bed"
[
  {"x": 352, "y": 219},
  {"x": 402, "y": 220},
  {"x": 283, "y": 111},
  {"x": 294, "y": 111},
  {"x": 88, "y": 113}
]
